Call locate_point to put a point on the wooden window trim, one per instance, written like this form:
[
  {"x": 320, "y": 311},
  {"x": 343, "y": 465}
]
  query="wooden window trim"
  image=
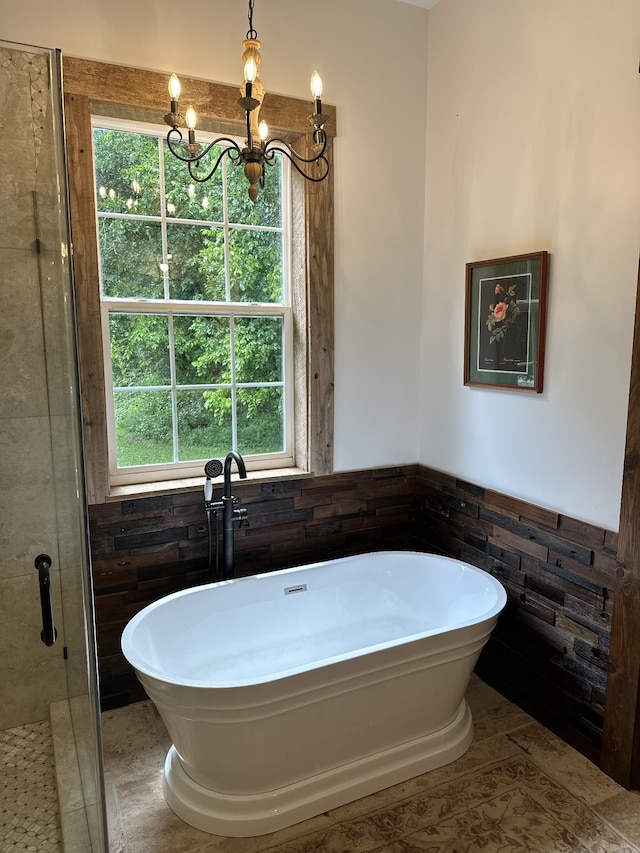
[{"x": 100, "y": 88}]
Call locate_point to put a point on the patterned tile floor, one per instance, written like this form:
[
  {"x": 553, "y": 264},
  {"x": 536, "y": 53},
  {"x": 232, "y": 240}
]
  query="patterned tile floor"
[
  {"x": 518, "y": 788},
  {"x": 29, "y": 818}
]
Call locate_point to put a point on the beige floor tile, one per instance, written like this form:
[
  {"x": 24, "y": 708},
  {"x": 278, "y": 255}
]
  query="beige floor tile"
[
  {"x": 150, "y": 825},
  {"x": 481, "y": 698},
  {"x": 498, "y": 720},
  {"x": 115, "y": 826},
  {"x": 134, "y": 743},
  {"x": 622, "y": 811},
  {"x": 564, "y": 764}
]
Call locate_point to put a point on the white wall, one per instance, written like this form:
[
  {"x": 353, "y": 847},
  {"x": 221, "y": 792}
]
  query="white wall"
[
  {"x": 533, "y": 143},
  {"x": 372, "y": 58}
]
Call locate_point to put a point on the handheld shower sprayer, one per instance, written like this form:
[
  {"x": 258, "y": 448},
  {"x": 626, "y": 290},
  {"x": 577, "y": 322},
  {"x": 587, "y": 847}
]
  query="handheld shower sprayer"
[{"x": 212, "y": 469}]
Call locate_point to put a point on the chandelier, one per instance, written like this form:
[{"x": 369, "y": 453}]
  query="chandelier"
[{"x": 259, "y": 151}]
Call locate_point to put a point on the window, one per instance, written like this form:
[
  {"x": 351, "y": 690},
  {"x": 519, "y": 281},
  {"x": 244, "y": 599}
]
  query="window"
[
  {"x": 196, "y": 309},
  {"x": 119, "y": 92}
]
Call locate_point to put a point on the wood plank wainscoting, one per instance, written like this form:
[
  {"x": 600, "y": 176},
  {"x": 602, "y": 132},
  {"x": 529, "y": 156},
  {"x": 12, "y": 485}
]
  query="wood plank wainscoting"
[{"x": 549, "y": 652}]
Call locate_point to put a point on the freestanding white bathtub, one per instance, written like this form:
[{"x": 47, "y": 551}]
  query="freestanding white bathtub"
[{"x": 290, "y": 693}]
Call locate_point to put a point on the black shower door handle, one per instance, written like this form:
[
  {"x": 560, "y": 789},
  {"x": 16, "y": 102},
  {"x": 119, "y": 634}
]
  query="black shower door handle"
[{"x": 48, "y": 634}]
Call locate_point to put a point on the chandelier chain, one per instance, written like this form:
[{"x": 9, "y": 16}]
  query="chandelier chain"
[{"x": 251, "y": 33}]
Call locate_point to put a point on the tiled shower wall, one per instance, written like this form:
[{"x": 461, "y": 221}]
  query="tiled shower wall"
[
  {"x": 549, "y": 652},
  {"x": 28, "y": 429}
]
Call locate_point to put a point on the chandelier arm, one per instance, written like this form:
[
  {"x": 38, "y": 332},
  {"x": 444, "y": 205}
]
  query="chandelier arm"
[
  {"x": 233, "y": 153},
  {"x": 293, "y": 156},
  {"x": 193, "y": 164},
  {"x": 275, "y": 144},
  {"x": 233, "y": 146}
]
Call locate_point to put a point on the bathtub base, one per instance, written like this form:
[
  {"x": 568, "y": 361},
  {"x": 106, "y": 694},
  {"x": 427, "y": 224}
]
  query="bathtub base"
[{"x": 258, "y": 814}]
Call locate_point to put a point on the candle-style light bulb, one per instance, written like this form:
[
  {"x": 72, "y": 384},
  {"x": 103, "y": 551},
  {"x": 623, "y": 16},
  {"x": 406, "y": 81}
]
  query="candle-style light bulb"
[
  {"x": 316, "y": 85},
  {"x": 250, "y": 70},
  {"x": 173, "y": 117},
  {"x": 263, "y": 130},
  {"x": 316, "y": 91},
  {"x": 250, "y": 74},
  {"x": 174, "y": 87},
  {"x": 191, "y": 118}
]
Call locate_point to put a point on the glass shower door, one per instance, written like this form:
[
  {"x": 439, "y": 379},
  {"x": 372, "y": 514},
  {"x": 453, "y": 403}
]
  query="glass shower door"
[{"x": 47, "y": 663}]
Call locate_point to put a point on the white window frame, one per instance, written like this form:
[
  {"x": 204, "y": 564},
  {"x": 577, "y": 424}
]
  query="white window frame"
[{"x": 141, "y": 474}]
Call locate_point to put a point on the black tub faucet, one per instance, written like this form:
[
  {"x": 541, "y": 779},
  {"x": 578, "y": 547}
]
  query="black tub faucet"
[{"x": 230, "y": 511}]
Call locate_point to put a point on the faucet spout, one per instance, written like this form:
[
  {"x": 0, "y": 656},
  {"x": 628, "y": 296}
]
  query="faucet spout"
[
  {"x": 229, "y": 513},
  {"x": 242, "y": 471}
]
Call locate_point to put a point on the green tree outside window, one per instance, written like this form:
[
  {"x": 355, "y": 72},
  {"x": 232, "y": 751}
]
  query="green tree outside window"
[{"x": 189, "y": 384}]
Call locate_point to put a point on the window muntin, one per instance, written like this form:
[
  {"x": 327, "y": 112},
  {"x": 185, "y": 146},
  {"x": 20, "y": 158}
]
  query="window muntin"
[{"x": 196, "y": 308}]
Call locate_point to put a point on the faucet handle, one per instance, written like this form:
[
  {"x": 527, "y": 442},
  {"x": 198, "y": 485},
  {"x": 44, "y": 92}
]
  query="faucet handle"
[{"x": 242, "y": 516}]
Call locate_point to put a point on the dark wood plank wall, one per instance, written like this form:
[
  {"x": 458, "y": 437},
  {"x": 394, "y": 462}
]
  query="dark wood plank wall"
[{"x": 549, "y": 652}]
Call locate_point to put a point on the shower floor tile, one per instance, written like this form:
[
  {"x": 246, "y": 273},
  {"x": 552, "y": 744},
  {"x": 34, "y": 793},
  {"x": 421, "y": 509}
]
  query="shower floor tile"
[{"x": 29, "y": 819}]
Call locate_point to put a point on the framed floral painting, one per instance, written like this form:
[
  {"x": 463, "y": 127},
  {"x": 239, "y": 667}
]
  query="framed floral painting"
[{"x": 505, "y": 320}]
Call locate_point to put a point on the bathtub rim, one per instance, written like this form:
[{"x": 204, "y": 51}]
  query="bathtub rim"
[{"x": 143, "y": 667}]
